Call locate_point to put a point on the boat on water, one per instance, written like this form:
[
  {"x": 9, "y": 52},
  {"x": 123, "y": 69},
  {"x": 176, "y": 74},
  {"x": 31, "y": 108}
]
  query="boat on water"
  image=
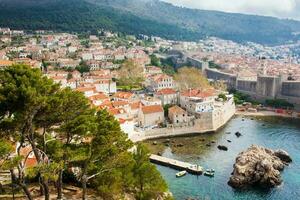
[
  {"x": 210, "y": 174},
  {"x": 210, "y": 170},
  {"x": 180, "y": 174}
]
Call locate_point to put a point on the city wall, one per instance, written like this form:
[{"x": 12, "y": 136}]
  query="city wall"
[{"x": 265, "y": 87}]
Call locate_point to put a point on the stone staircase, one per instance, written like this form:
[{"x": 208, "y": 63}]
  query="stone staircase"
[{"x": 5, "y": 177}]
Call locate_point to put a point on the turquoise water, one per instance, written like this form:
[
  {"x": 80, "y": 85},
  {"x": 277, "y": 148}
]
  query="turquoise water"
[{"x": 274, "y": 135}]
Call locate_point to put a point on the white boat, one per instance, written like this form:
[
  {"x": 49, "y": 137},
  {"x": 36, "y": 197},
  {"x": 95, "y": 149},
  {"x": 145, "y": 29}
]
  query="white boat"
[
  {"x": 210, "y": 170},
  {"x": 210, "y": 174},
  {"x": 180, "y": 174}
]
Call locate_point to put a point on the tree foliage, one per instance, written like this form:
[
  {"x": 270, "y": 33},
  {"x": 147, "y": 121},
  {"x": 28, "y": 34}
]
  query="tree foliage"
[
  {"x": 189, "y": 77},
  {"x": 131, "y": 74},
  {"x": 65, "y": 133}
]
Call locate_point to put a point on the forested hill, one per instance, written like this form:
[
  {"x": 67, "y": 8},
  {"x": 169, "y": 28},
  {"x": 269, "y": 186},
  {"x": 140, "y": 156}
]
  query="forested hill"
[{"x": 151, "y": 17}]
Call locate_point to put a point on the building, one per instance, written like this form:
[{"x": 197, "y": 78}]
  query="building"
[
  {"x": 150, "y": 116},
  {"x": 198, "y": 101},
  {"x": 177, "y": 115},
  {"x": 6, "y": 63},
  {"x": 167, "y": 96},
  {"x": 161, "y": 81},
  {"x": 124, "y": 96}
]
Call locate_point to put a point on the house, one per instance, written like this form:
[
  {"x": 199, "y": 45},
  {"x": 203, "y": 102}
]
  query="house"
[
  {"x": 119, "y": 113},
  {"x": 177, "y": 115},
  {"x": 98, "y": 99},
  {"x": 150, "y": 116},
  {"x": 124, "y": 96},
  {"x": 149, "y": 101},
  {"x": 153, "y": 70},
  {"x": 198, "y": 101},
  {"x": 127, "y": 126},
  {"x": 72, "y": 83},
  {"x": 87, "y": 91},
  {"x": 60, "y": 80},
  {"x": 161, "y": 81},
  {"x": 167, "y": 96},
  {"x": 6, "y": 63},
  {"x": 87, "y": 56},
  {"x": 106, "y": 86}
]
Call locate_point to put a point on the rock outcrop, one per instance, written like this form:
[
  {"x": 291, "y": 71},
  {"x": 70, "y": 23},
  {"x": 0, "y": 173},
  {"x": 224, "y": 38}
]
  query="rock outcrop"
[
  {"x": 222, "y": 147},
  {"x": 258, "y": 166}
]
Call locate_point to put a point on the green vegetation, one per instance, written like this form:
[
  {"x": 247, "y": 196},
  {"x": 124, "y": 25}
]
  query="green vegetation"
[
  {"x": 222, "y": 96},
  {"x": 130, "y": 75},
  {"x": 83, "y": 67},
  {"x": 155, "y": 61},
  {"x": 240, "y": 98},
  {"x": 32, "y": 107},
  {"x": 189, "y": 77},
  {"x": 144, "y": 17},
  {"x": 212, "y": 64},
  {"x": 279, "y": 103}
]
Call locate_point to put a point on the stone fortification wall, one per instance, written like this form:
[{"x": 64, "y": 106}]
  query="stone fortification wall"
[
  {"x": 217, "y": 75},
  {"x": 291, "y": 88},
  {"x": 248, "y": 86}
]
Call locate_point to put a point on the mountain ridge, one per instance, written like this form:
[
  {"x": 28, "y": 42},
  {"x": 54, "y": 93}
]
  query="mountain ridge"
[{"x": 150, "y": 17}]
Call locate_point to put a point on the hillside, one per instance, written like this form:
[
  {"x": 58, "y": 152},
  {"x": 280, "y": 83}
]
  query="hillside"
[{"x": 151, "y": 17}]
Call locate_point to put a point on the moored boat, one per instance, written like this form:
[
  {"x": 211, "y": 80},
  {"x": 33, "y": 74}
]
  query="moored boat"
[
  {"x": 180, "y": 174},
  {"x": 210, "y": 170},
  {"x": 210, "y": 174}
]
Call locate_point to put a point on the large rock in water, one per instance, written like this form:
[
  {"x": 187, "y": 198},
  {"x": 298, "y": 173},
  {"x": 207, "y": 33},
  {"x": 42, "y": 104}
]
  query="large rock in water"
[{"x": 258, "y": 166}]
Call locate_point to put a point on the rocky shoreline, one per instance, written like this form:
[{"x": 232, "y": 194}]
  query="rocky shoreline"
[{"x": 259, "y": 166}]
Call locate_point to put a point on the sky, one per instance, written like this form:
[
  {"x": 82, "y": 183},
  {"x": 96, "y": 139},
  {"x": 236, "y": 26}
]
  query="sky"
[{"x": 276, "y": 8}]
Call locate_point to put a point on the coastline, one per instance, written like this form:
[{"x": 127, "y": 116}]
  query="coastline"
[
  {"x": 264, "y": 114},
  {"x": 140, "y": 136}
]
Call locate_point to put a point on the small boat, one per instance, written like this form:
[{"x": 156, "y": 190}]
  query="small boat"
[
  {"x": 180, "y": 174},
  {"x": 210, "y": 170},
  {"x": 210, "y": 174}
]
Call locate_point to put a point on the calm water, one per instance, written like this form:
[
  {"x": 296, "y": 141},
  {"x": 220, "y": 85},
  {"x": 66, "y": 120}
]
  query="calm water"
[{"x": 273, "y": 135}]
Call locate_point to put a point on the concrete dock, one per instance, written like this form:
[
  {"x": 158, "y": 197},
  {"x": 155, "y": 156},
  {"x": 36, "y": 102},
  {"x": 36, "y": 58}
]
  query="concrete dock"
[{"x": 175, "y": 164}]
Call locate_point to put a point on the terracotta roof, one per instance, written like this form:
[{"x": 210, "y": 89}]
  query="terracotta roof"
[
  {"x": 176, "y": 110},
  {"x": 152, "y": 109},
  {"x": 119, "y": 103},
  {"x": 161, "y": 77},
  {"x": 84, "y": 89},
  {"x": 166, "y": 91},
  {"x": 116, "y": 111},
  {"x": 198, "y": 93},
  {"x": 135, "y": 105},
  {"x": 99, "y": 96},
  {"x": 6, "y": 63},
  {"x": 123, "y": 95}
]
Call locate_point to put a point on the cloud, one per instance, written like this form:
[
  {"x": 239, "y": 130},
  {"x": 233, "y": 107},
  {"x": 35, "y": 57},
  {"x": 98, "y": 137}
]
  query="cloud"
[{"x": 276, "y": 8}]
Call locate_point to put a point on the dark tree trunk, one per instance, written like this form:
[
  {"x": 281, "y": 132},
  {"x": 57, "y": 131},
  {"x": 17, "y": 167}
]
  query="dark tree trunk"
[
  {"x": 39, "y": 159},
  {"x": 22, "y": 185},
  {"x": 46, "y": 190},
  {"x": 59, "y": 185},
  {"x": 84, "y": 181}
]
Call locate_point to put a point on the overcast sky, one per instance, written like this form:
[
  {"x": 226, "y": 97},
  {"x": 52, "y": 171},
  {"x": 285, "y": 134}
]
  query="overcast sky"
[{"x": 277, "y": 8}]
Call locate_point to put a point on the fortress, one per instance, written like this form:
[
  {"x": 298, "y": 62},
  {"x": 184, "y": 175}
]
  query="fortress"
[{"x": 261, "y": 87}]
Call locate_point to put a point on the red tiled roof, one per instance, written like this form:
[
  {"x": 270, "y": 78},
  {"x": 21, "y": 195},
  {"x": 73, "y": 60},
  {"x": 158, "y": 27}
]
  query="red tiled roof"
[
  {"x": 176, "y": 110},
  {"x": 116, "y": 111},
  {"x": 198, "y": 93},
  {"x": 135, "y": 105},
  {"x": 152, "y": 109},
  {"x": 123, "y": 95},
  {"x": 99, "y": 96},
  {"x": 166, "y": 91},
  {"x": 119, "y": 103}
]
